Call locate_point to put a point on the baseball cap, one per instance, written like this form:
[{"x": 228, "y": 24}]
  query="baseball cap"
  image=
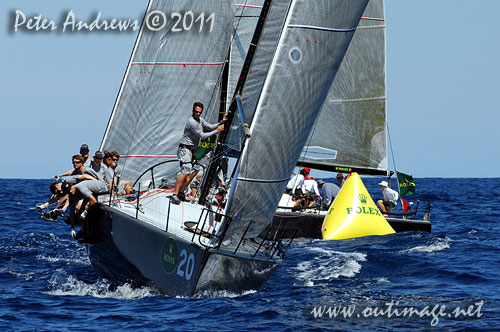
[
  {"x": 339, "y": 175},
  {"x": 321, "y": 182},
  {"x": 307, "y": 170},
  {"x": 98, "y": 155},
  {"x": 384, "y": 184},
  {"x": 84, "y": 147}
]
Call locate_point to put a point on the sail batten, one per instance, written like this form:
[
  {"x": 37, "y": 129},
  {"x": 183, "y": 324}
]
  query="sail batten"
[
  {"x": 314, "y": 27},
  {"x": 356, "y": 100},
  {"x": 178, "y": 63},
  {"x": 263, "y": 180}
]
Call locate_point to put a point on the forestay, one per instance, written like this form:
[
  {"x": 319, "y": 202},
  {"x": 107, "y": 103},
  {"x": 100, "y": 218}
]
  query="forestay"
[{"x": 169, "y": 70}]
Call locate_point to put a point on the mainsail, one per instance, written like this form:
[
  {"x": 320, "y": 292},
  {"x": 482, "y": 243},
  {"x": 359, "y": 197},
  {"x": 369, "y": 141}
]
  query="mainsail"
[
  {"x": 350, "y": 134},
  {"x": 286, "y": 87},
  {"x": 169, "y": 70}
]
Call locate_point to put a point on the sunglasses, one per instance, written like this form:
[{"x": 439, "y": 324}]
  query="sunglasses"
[
  {"x": 197, "y": 112},
  {"x": 84, "y": 151},
  {"x": 114, "y": 159},
  {"x": 76, "y": 162}
]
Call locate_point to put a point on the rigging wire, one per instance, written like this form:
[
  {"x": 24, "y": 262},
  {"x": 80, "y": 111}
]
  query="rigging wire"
[{"x": 392, "y": 154}]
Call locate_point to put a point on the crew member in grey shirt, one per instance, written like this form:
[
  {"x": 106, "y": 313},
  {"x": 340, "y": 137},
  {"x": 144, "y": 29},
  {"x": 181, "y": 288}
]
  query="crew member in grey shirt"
[
  {"x": 390, "y": 198},
  {"x": 331, "y": 191},
  {"x": 85, "y": 153},
  {"x": 196, "y": 129},
  {"x": 78, "y": 168}
]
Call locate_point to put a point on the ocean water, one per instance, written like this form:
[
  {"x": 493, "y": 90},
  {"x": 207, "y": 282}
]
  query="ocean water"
[{"x": 447, "y": 280}]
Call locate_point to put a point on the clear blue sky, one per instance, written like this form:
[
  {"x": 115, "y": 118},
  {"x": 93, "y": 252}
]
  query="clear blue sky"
[{"x": 443, "y": 67}]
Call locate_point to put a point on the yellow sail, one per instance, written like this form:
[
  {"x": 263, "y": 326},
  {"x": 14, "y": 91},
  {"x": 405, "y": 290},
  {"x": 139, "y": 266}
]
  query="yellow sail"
[{"x": 354, "y": 214}]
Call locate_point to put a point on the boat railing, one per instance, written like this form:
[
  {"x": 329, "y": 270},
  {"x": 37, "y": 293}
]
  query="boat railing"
[
  {"x": 151, "y": 170},
  {"x": 211, "y": 225},
  {"x": 211, "y": 229},
  {"x": 413, "y": 212},
  {"x": 270, "y": 246},
  {"x": 277, "y": 239}
]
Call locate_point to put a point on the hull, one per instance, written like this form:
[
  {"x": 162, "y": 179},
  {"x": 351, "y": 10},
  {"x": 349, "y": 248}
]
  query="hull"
[
  {"x": 308, "y": 225},
  {"x": 124, "y": 249},
  {"x": 224, "y": 271}
]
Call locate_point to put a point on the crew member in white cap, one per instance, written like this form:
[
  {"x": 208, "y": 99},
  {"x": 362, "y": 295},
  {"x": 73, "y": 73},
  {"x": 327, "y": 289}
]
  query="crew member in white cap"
[{"x": 390, "y": 198}]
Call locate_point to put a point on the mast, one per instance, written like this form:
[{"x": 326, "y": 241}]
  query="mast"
[{"x": 221, "y": 140}]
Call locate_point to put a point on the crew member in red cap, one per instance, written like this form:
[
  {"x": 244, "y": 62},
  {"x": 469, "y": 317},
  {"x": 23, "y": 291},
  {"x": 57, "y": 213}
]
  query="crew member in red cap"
[{"x": 306, "y": 176}]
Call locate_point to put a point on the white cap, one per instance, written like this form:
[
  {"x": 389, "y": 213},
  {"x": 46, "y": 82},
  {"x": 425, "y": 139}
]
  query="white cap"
[{"x": 384, "y": 184}]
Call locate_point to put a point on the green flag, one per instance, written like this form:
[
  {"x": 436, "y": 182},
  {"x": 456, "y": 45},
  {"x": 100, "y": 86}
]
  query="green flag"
[
  {"x": 406, "y": 184},
  {"x": 205, "y": 146}
]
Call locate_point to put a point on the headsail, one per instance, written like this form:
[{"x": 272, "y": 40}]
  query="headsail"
[
  {"x": 350, "y": 134},
  {"x": 286, "y": 87},
  {"x": 168, "y": 71}
]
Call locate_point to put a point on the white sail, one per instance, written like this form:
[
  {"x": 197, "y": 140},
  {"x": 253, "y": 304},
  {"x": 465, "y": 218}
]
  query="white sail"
[
  {"x": 287, "y": 86},
  {"x": 169, "y": 70},
  {"x": 350, "y": 134}
]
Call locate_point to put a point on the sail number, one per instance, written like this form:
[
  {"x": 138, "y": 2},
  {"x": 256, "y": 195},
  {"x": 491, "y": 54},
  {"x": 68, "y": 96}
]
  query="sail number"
[
  {"x": 157, "y": 20},
  {"x": 186, "y": 265}
]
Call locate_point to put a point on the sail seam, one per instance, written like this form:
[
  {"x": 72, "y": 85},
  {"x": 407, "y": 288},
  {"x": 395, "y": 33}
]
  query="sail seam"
[
  {"x": 313, "y": 27},
  {"x": 178, "y": 63},
  {"x": 373, "y": 19},
  {"x": 247, "y": 6}
]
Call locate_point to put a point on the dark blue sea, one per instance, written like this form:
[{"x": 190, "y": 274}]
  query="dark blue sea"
[{"x": 448, "y": 280}]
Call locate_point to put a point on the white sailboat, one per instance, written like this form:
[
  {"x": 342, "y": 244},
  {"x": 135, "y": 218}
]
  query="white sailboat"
[
  {"x": 295, "y": 52},
  {"x": 350, "y": 134}
]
